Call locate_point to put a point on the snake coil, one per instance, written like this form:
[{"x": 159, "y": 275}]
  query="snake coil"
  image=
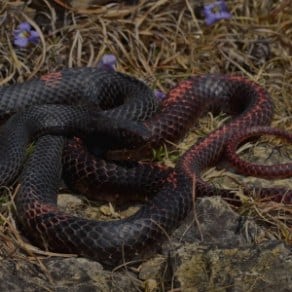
[{"x": 134, "y": 112}]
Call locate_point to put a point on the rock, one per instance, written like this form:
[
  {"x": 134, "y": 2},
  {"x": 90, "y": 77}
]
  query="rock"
[
  {"x": 214, "y": 222},
  {"x": 67, "y": 199},
  {"x": 151, "y": 285},
  {"x": 62, "y": 274},
  {"x": 152, "y": 269},
  {"x": 266, "y": 267}
]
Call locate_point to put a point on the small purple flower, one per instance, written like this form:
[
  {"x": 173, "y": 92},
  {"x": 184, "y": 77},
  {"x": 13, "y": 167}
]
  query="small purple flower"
[
  {"x": 23, "y": 35},
  {"x": 108, "y": 62},
  {"x": 159, "y": 94},
  {"x": 215, "y": 12}
]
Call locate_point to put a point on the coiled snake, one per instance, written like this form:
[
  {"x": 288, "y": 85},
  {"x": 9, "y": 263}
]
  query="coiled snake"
[{"x": 94, "y": 92}]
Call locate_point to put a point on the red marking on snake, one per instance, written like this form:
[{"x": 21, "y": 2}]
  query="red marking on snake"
[
  {"x": 176, "y": 92},
  {"x": 172, "y": 179},
  {"x": 52, "y": 79}
]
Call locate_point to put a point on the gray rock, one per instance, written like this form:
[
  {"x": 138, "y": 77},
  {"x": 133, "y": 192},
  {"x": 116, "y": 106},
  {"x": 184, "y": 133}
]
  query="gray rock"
[
  {"x": 214, "y": 222},
  {"x": 266, "y": 267},
  {"x": 63, "y": 274}
]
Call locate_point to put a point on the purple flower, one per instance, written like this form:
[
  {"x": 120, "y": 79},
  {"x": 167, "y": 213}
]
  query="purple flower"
[
  {"x": 108, "y": 62},
  {"x": 216, "y": 11},
  {"x": 23, "y": 35},
  {"x": 159, "y": 94}
]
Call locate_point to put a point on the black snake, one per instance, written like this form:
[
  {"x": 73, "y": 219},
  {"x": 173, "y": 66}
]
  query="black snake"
[{"x": 133, "y": 120}]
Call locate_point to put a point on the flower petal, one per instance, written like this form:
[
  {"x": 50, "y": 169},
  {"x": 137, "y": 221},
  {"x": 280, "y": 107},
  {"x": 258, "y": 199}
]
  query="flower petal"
[
  {"x": 159, "y": 94},
  {"x": 24, "y": 26},
  {"x": 34, "y": 37},
  {"x": 108, "y": 61},
  {"x": 21, "y": 42},
  {"x": 216, "y": 11}
]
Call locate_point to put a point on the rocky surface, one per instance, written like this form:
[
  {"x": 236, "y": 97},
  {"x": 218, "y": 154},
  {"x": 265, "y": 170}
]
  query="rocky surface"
[
  {"x": 266, "y": 267},
  {"x": 213, "y": 250}
]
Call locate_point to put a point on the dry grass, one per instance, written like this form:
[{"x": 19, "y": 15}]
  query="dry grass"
[{"x": 163, "y": 42}]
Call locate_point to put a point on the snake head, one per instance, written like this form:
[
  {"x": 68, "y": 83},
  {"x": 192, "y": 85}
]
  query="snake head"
[{"x": 110, "y": 133}]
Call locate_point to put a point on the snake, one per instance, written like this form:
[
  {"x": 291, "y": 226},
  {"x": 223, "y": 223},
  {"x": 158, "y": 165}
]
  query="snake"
[{"x": 106, "y": 102}]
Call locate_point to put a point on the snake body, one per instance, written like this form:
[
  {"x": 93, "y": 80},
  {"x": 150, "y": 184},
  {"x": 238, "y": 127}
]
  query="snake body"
[
  {"x": 82, "y": 86},
  {"x": 115, "y": 241}
]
